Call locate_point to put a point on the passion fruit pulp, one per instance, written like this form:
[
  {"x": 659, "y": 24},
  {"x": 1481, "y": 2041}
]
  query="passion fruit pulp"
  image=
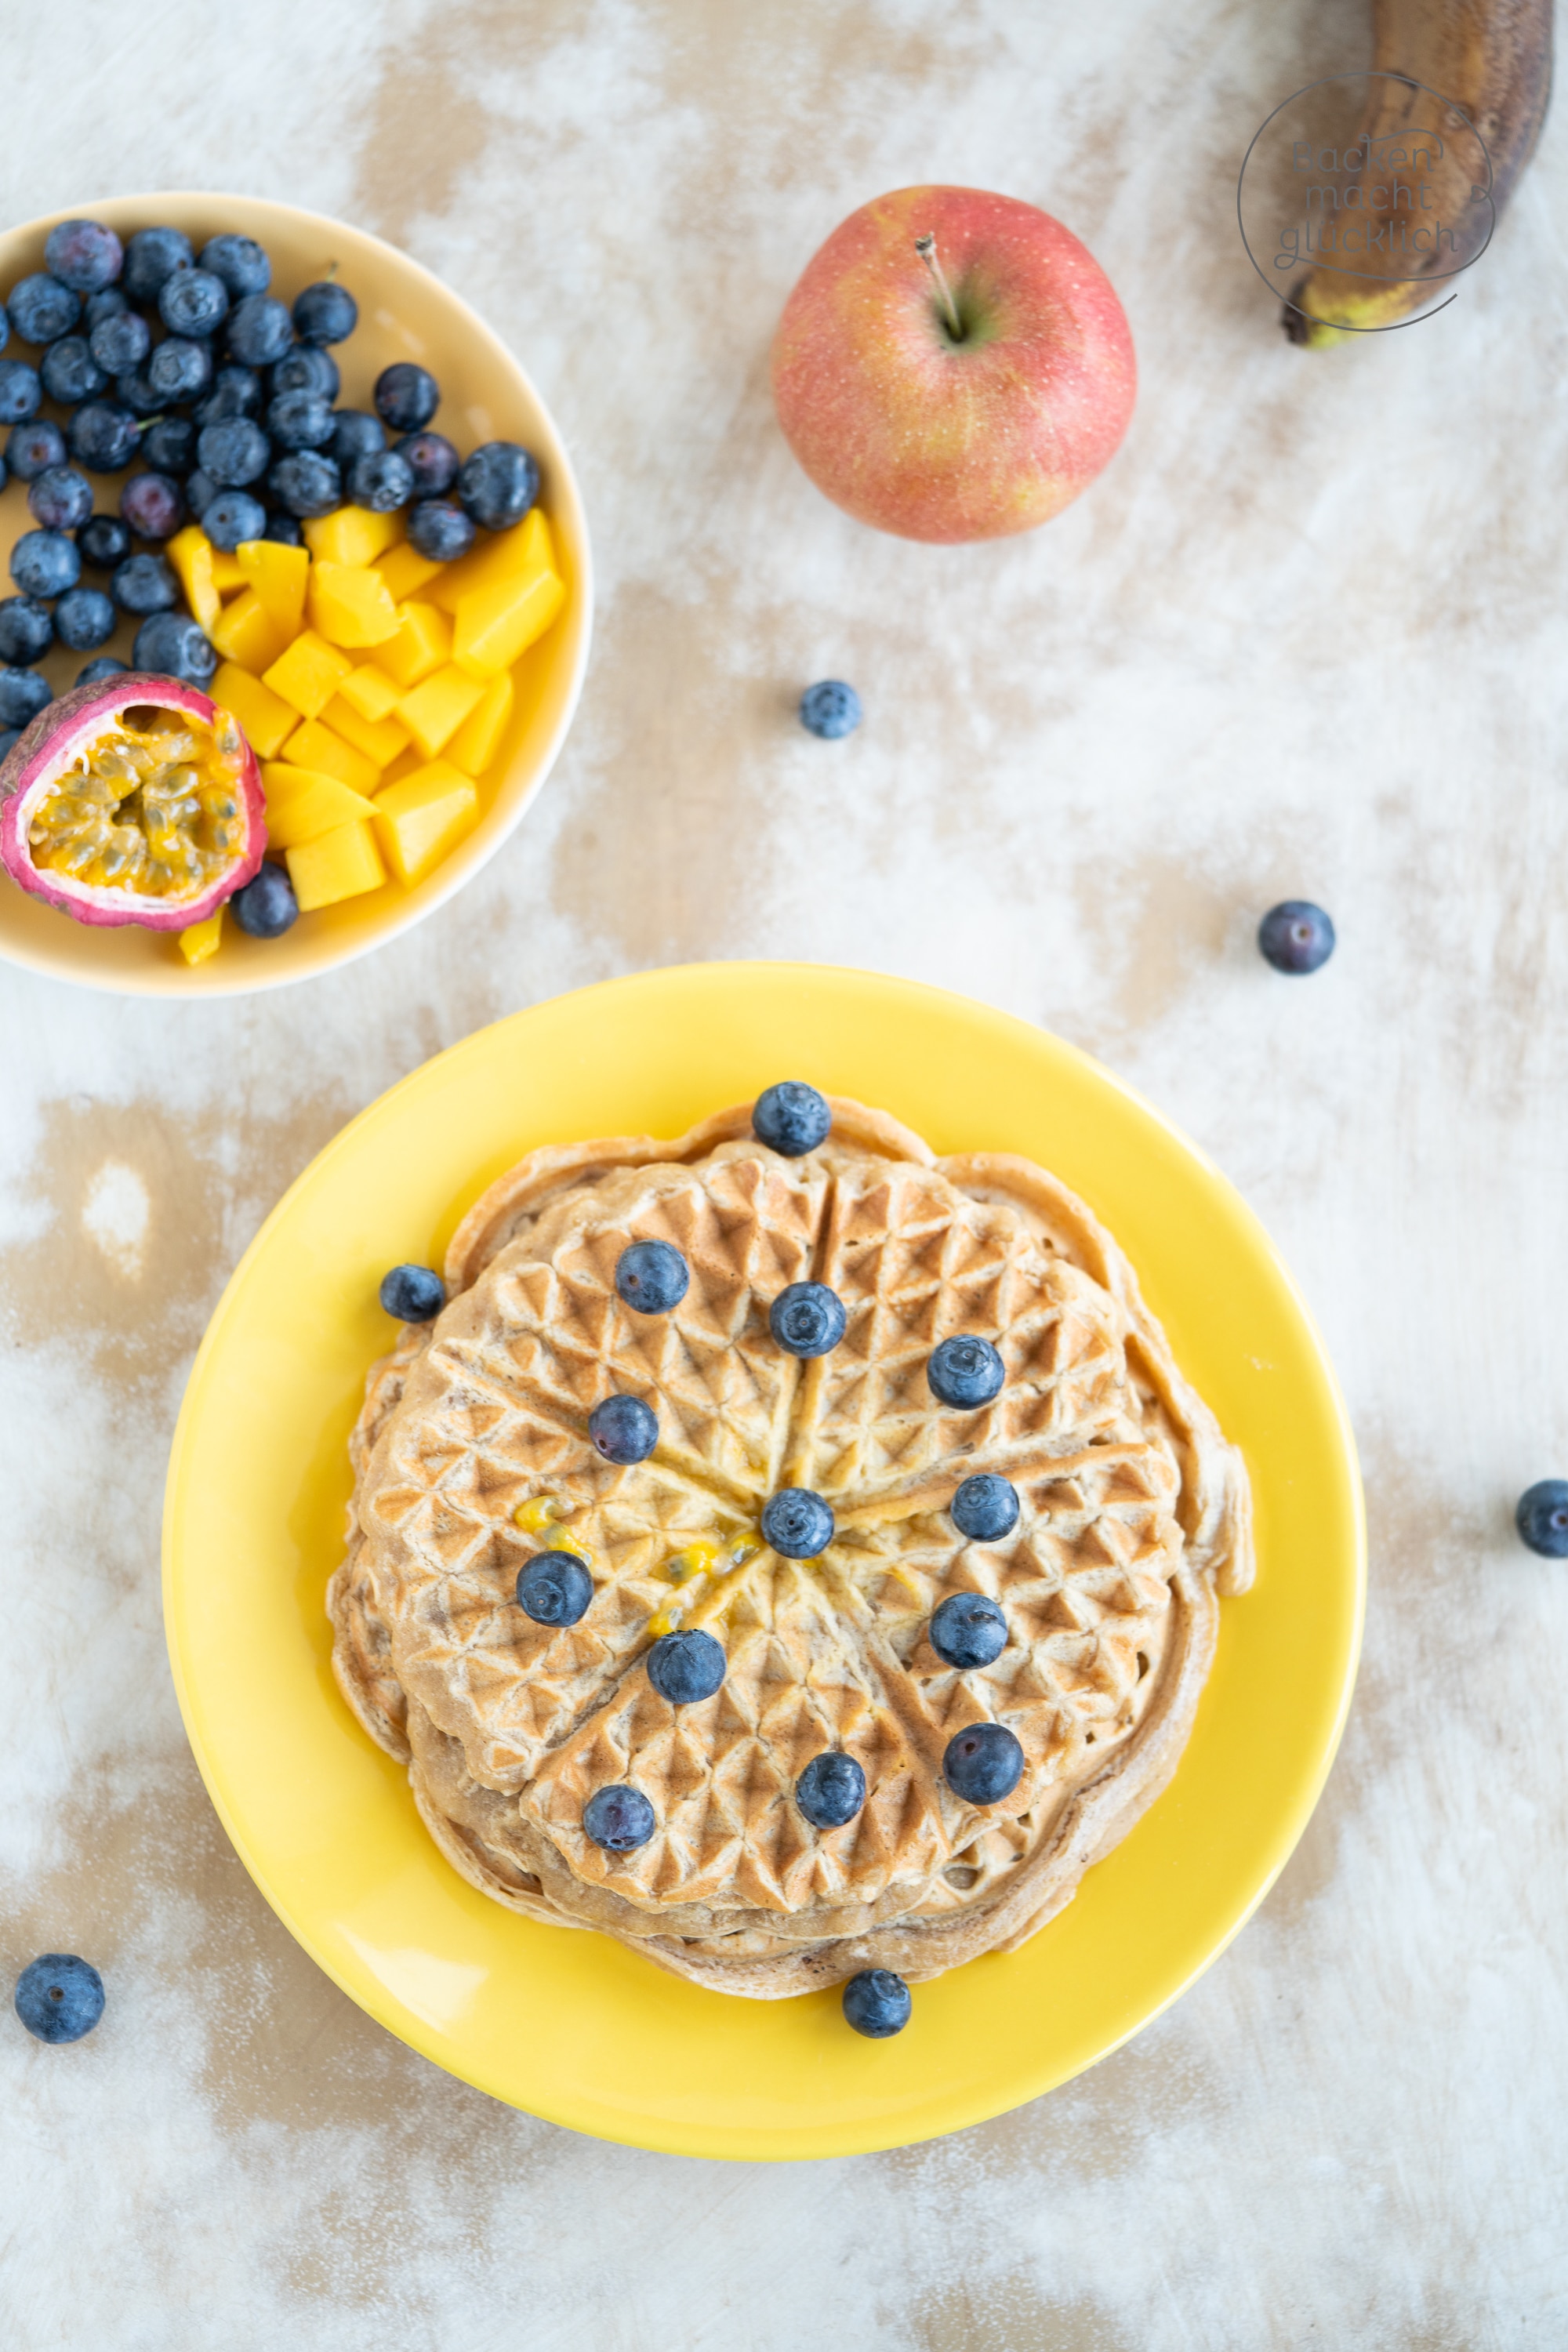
[{"x": 132, "y": 800}]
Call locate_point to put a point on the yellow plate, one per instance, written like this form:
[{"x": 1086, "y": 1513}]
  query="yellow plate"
[
  {"x": 405, "y": 313},
  {"x": 572, "y": 2025}
]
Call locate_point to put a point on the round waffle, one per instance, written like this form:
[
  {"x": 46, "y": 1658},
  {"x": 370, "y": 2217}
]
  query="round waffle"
[{"x": 472, "y": 1454}]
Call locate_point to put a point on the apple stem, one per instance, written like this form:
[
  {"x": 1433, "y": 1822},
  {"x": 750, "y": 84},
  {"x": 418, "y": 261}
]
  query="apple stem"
[{"x": 926, "y": 247}]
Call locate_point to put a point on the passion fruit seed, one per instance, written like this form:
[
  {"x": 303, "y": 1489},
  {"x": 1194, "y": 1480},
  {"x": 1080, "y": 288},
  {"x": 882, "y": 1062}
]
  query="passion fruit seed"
[{"x": 153, "y": 807}]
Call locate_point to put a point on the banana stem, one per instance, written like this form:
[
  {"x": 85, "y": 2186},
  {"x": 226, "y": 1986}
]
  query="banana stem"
[{"x": 926, "y": 247}]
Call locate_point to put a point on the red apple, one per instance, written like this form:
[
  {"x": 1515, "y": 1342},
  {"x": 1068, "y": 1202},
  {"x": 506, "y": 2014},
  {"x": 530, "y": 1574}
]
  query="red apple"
[{"x": 933, "y": 434}]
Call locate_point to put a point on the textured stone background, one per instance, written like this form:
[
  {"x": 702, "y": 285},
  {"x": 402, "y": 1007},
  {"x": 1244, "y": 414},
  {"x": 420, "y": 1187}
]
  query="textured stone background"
[{"x": 1306, "y": 636}]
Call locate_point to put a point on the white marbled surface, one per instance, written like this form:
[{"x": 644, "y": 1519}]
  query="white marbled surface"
[{"x": 1306, "y": 637}]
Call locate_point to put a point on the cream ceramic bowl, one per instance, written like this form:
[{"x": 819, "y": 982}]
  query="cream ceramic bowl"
[{"x": 405, "y": 313}]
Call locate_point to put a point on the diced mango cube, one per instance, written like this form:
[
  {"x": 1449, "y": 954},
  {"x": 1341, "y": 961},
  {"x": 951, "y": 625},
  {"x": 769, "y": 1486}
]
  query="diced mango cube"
[
  {"x": 247, "y": 633},
  {"x": 229, "y": 573},
  {"x": 302, "y": 803},
  {"x": 352, "y": 535},
  {"x": 337, "y": 865},
  {"x": 279, "y": 575},
  {"x": 309, "y": 673},
  {"x": 191, "y": 553},
  {"x": 424, "y": 641},
  {"x": 380, "y": 739},
  {"x": 496, "y": 624},
  {"x": 350, "y": 605},
  {"x": 405, "y": 571},
  {"x": 475, "y": 744},
  {"x": 199, "y": 940},
  {"x": 266, "y": 720},
  {"x": 527, "y": 547},
  {"x": 372, "y": 692},
  {"x": 434, "y": 710},
  {"x": 314, "y": 745},
  {"x": 420, "y": 819}
]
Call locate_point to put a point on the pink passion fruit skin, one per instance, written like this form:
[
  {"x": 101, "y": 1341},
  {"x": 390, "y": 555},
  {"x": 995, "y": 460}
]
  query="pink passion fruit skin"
[{"x": 50, "y": 745}]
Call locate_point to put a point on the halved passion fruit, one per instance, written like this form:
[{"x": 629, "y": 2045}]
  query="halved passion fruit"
[{"x": 133, "y": 800}]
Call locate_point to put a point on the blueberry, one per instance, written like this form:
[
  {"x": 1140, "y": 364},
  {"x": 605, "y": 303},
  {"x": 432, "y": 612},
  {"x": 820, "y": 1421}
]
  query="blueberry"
[
  {"x": 983, "y": 1764},
  {"x": 877, "y": 2003},
  {"x": 58, "y": 1997},
  {"x": 807, "y": 1319},
  {"x": 1296, "y": 936},
  {"x": 233, "y": 518},
  {"x": 260, "y": 330},
  {"x": 139, "y": 393},
  {"x": 119, "y": 342},
  {"x": 200, "y": 491},
  {"x": 284, "y": 531},
  {"x": 193, "y": 302},
  {"x": 306, "y": 368},
  {"x": 968, "y": 1630},
  {"x": 652, "y": 1277},
  {"x": 82, "y": 254},
  {"x": 153, "y": 505},
  {"x": 170, "y": 446},
  {"x": 325, "y": 313},
  {"x": 20, "y": 391},
  {"x": 233, "y": 452},
  {"x": 150, "y": 257},
  {"x": 355, "y": 433},
  {"x": 964, "y": 1371},
  {"x": 439, "y": 530},
  {"x": 791, "y": 1119},
  {"x": 85, "y": 619},
  {"x": 180, "y": 369},
  {"x": 306, "y": 483},
  {"x": 406, "y": 396},
  {"x": 108, "y": 302},
  {"x": 685, "y": 1668},
  {"x": 45, "y": 563},
  {"x": 623, "y": 1428},
  {"x": 23, "y": 694},
  {"x": 145, "y": 583},
  {"x": 70, "y": 374},
  {"x": 797, "y": 1523},
  {"x": 831, "y": 1790},
  {"x": 41, "y": 308},
  {"x": 619, "y": 1819},
  {"x": 93, "y": 672},
  {"x": 986, "y": 1507},
  {"x": 299, "y": 420},
  {"x": 33, "y": 448},
  {"x": 10, "y": 736},
  {"x": 103, "y": 542},
  {"x": 414, "y": 1294},
  {"x": 266, "y": 905},
  {"x": 1541, "y": 1517},
  {"x": 240, "y": 263},
  {"x": 555, "y": 1588},
  {"x": 433, "y": 460},
  {"x": 236, "y": 391},
  {"x": 59, "y": 498},
  {"x": 381, "y": 483},
  {"x": 498, "y": 483},
  {"x": 171, "y": 644},
  {"x": 25, "y": 629},
  {"x": 103, "y": 436},
  {"x": 830, "y": 708}
]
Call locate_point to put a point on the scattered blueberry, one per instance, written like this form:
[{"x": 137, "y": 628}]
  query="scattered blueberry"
[
  {"x": 41, "y": 308},
  {"x": 70, "y": 374},
  {"x": 153, "y": 505},
  {"x": 60, "y": 1996},
  {"x": 299, "y": 420},
  {"x": 964, "y": 1371},
  {"x": 31, "y": 449},
  {"x": 145, "y": 583},
  {"x": 85, "y": 619},
  {"x": 180, "y": 369},
  {"x": 686, "y": 1667},
  {"x": 20, "y": 391},
  {"x": 986, "y": 1507},
  {"x": 12, "y": 735},
  {"x": 306, "y": 368},
  {"x": 119, "y": 342},
  {"x": 23, "y": 694},
  {"x": 200, "y": 491},
  {"x": 877, "y": 2003},
  {"x": 619, "y": 1819},
  {"x": 807, "y": 1319},
  {"x": 831, "y": 1790},
  {"x": 830, "y": 708},
  {"x": 171, "y": 646},
  {"x": 193, "y": 302},
  {"x": 284, "y": 530},
  {"x": 108, "y": 302},
  {"x": 306, "y": 483},
  {"x": 233, "y": 452},
  {"x": 45, "y": 563},
  {"x": 83, "y": 255},
  {"x": 791, "y": 1119},
  {"x": 93, "y": 672},
  {"x": 169, "y": 447},
  {"x": 139, "y": 393},
  {"x": 1296, "y": 936},
  {"x": 407, "y": 397},
  {"x": 1541, "y": 1517},
  {"x": 433, "y": 461},
  {"x": 25, "y": 629},
  {"x": 103, "y": 436},
  {"x": 983, "y": 1764},
  {"x": 355, "y": 433},
  {"x": 103, "y": 542},
  {"x": 381, "y": 483},
  {"x": 439, "y": 530},
  {"x": 555, "y": 1588},
  {"x": 968, "y": 1630},
  {"x": 232, "y": 518},
  {"x": 623, "y": 1428},
  {"x": 260, "y": 330},
  {"x": 236, "y": 391},
  {"x": 325, "y": 313},
  {"x": 414, "y": 1294},
  {"x": 498, "y": 483},
  {"x": 652, "y": 1277},
  {"x": 266, "y": 905},
  {"x": 59, "y": 498},
  {"x": 797, "y": 1523},
  {"x": 240, "y": 263},
  {"x": 152, "y": 255}
]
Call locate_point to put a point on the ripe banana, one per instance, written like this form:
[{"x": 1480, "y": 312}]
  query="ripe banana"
[{"x": 1492, "y": 60}]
